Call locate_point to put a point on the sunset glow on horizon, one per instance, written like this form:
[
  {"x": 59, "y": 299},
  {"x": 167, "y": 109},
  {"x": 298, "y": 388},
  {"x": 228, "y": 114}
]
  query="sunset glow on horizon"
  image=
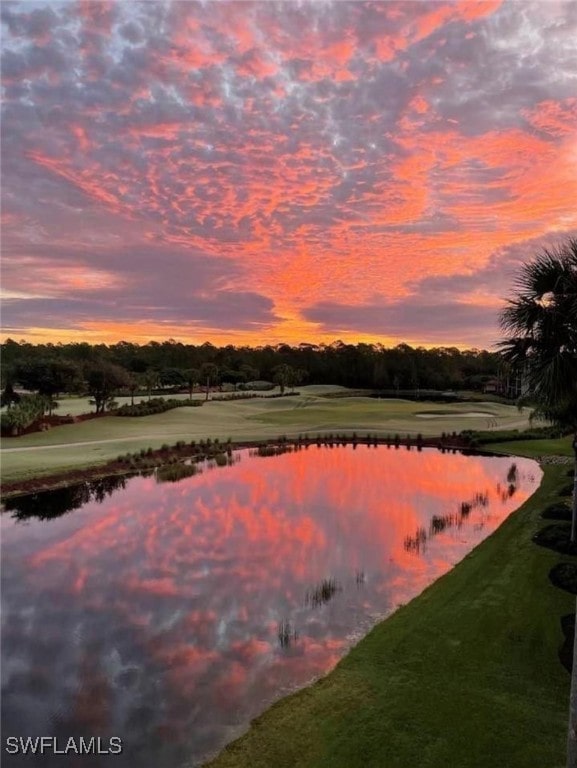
[{"x": 264, "y": 172}]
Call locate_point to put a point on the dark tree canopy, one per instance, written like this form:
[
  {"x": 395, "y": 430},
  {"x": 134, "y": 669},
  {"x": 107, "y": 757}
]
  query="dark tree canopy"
[
  {"x": 48, "y": 376},
  {"x": 103, "y": 380},
  {"x": 351, "y": 365}
]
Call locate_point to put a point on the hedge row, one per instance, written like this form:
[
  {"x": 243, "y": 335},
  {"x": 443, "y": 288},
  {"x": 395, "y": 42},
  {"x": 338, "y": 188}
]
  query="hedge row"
[
  {"x": 156, "y": 405},
  {"x": 251, "y": 395},
  {"x": 504, "y": 436}
]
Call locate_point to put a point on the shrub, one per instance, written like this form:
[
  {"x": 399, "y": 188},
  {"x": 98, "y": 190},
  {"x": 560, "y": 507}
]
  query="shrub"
[
  {"x": 557, "y": 512},
  {"x": 272, "y": 450},
  {"x": 29, "y": 409},
  {"x": 262, "y": 386},
  {"x": 564, "y": 576},
  {"x": 156, "y": 405},
  {"x": 557, "y": 537},
  {"x": 175, "y": 472},
  {"x": 505, "y": 436}
]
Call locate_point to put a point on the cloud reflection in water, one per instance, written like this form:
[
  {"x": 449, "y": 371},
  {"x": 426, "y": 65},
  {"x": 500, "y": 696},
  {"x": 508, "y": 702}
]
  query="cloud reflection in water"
[{"x": 171, "y": 614}]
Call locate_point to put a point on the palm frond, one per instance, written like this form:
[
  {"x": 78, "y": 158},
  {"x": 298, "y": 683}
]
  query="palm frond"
[
  {"x": 552, "y": 271},
  {"x": 540, "y": 324}
]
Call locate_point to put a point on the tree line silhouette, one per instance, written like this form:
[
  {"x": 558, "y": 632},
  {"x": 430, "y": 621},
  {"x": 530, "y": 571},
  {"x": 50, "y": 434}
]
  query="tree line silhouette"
[{"x": 173, "y": 364}]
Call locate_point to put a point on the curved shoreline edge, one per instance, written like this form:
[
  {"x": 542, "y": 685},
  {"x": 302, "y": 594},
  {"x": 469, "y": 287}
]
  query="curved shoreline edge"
[{"x": 466, "y": 674}]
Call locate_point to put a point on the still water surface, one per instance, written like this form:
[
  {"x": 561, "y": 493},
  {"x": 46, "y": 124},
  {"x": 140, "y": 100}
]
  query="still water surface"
[{"x": 171, "y": 614}]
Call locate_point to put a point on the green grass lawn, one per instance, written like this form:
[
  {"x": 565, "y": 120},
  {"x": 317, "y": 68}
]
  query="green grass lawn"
[
  {"x": 561, "y": 447},
  {"x": 464, "y": 676},
  {"x": 87, "y": 443},
  {"x": 393, "y": 415}
]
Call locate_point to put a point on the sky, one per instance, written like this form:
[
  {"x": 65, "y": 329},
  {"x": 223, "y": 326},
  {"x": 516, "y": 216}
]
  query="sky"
[{"x": 265, "y": 172}]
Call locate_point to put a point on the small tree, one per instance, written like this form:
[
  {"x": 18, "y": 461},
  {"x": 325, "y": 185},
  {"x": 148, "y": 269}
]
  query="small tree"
[
  {"x": 103, "y": 380},
  {"x": 192, "y": 378},
  {"x": 47, "y": 376},
  {"x": 150, "y": 381},
  {"x": 249, "y": 373},
  {"x": 230, "y": 376},
  {"x": 283, "y": 375},
  {"x": 172, "y": 377},
  {"x": 208, "y": 373},
  {"x": 301, "y": 375},
  {"x": 9, "y": 397},
  {"x": 132, "y": 386}
]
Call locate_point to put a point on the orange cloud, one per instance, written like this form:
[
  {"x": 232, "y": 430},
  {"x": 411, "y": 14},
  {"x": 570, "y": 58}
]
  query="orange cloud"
[{"x": 301, "y": 158}]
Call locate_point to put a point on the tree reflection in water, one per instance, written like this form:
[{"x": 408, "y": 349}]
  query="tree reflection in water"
[{"x": 49, "y": 505}]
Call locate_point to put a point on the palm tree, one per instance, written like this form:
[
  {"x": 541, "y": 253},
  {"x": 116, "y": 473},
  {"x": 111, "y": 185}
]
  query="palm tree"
[
  {"x": 132, "y": 386},
  {"x": 208, "y": 373},
  {"x": 541, "y": 323},
  {"x": 541, "y": 327},
  {"x": 192, "y": 378},
  {"x": 150, "y": 381}
]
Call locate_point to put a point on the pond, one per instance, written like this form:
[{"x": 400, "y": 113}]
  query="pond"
[{"x": 170, "y": 614}]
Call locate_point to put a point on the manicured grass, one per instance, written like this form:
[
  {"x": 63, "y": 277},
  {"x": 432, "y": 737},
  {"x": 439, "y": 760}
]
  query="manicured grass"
[
  {"x": 75, "y": 446},
  {"x": 530, "y": 448},
  {"x": 466, "y": 675},
  {"x": 401, "y": 415}
]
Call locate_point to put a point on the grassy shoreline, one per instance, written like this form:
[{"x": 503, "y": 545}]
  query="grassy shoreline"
[{"x": 467, "y": 674}]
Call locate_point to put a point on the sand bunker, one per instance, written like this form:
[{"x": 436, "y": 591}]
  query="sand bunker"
[{"x": 467, "y": 414}]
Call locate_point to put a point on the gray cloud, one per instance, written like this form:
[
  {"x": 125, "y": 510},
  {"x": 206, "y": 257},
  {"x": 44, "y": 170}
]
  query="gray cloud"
[
  {"x": 413, "y": 319},
  {"x": 241, "y": 310},
  {"x": 160, "y": 284}
]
